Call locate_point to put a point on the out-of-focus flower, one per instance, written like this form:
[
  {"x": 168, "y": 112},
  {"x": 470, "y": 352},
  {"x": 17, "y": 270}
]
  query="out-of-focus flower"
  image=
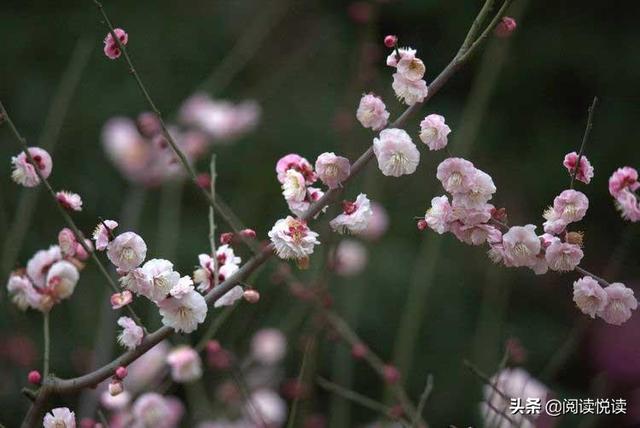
[
  {"x": 38, "y": 266},
  {"x": 378, "y": 224},
  {"x": 24, "y": 172},
  {"x": 61, "y": 280},
  {"x": 120, "y": 300},
  {"x": 372, "y": 113},
  {"x": 153, "y": 410},
  {"x": 111, "y": 48},
  {"x": 268, "y": 346},
  {"x": 22, "y": 292},
  {"x": 183, "y": 314},
  {"x": 623, "y": 178},
  {"x": 185, "y": 363},
  {"x": 434, "y": 132},
  {"x": 131, "y": 335},
  {"x": 127, "y": 251},
  {"x": 350, "y": 258},
  {"x": 230, "y": 297},
  {"x": 60, "y": 417},
  {"x": 584, "y": 172},
  {"x": 266, "y": 406}
]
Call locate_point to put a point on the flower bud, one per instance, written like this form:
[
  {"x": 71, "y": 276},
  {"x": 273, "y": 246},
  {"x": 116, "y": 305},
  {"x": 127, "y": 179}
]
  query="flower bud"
[
  {"x": 251, "y": 296},
  {"x": 505, "y": 27},
  {"x": 248, "y": 233},
  {"x": 121, "y": 372},
  {"x": 391, "y": 374},
  {"x": 359, "y": 351},
  {"x": 422, "y": 224},
  {"x": 34, "y": 377},
  {"x": 213, "y": 346},
  {"x": 204, "y": 180},
  {"x": 226, "y": 238},
  {"x": 391, "y": 41},
  {"x": 116, "y": 387}
]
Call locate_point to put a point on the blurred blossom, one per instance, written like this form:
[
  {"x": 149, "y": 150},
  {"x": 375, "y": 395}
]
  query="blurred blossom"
[
  {"x": 117, "y": 402},
  {"x": 222, "y": 120},
  {"x": 18, "y": 349},
  {"x": 147, "y": 368},
  {"x": 378, "y": 223},
  {"x": 514, "y": 383},
  {"x": 268, "y": 346},
  {"x": 350, "y": 258},
  {"x": 185, "y": 363},
  {"x": 266, "y": 405},
  {"x": 152, "y": 410}
]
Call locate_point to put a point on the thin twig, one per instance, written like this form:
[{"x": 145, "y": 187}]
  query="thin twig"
[
  {"x": 47, "y": 343},
  {"x": 423, "y": 399},
  {"x": 294, "y": 407},
  {"x": 585, "y": 137},
  {"x": 76, "y": 231}
]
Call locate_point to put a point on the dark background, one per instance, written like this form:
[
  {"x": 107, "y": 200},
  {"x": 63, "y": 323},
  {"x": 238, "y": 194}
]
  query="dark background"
[{"x": 307, "y": 72}]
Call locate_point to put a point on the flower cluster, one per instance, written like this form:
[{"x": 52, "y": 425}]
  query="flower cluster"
[
  {"x": 623, "y": 185},
  {"x": 296, "y": 175},
  {"x": 213, "y": 271},
  {"x": 612, "y": 303},
  {"x": 50, "y": 276},
  {"x": 408, "y": 82},
  {"x": 111, "y": 47},
  {"x": 583, "y": 172}
]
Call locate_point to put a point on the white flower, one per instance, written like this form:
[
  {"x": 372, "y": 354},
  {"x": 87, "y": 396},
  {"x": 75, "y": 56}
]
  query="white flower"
[
  {"x": 22, "y": 292},
  {"x": 182, "y": 288},
  {"x": 268, "y": 346},
  {"x": 185, "y": 363},
  {"x": 266, "y": 406},
  {"x": 62, "y": 279},
  {"x": 372, "y": 113},
  {"x": 396, "y": 153},
  {"x": 60, "y": 417},
  {"x": 162, "y": 278},
  {"x": 184, "y": 314},
  {"x": 39, "y": 264},
  {"x": 355, "y": 217},
  {"x": 293, "y": 188},
  {"x": 409, "y": 91},
  {"x": 131, "y": 335},
  {"x": 292, "y": 238},
  {"x": 230, "y": 297},
  {"x": 521, "y": 245},
  {"x": 127, "y": 251},
  {"x": 225, "y": 255}
]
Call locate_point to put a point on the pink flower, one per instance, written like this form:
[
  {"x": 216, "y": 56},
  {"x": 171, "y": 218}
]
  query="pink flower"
[
  {"x": 623, "y": 178},
  {"x": 153, "y": 410},
  {"x": 22, "y": 292},
  {"x": 378, "y": 223},
  {"x": 131, "y": 335},
  {"x": 61, "y": 280},
  {"x": 184, "y": 314},
  {"x": 505, "y": 27},
  {"x": 405, "y": 53},
  {"x": 268, "y": 346},
  {"x": 185, "y": 363},
  {"x": 411, "y": 68},
  {"x": 568, "y": 207},
  {"x": 620, "y": 303},
  {"x": 455, "y": 174},
  {"x": 355, "y": 216},
  {"x": 372, "y": 113},
  {"x": 60, "y": 417},
  {"x": 67, "y": 242},
  {"x": 266, "y": 407},
  {"x": 298, "y": 163},
  {"x": 396, "y": 153},
  {"x": 584, "y": 172},
  {"x": 521, "y": 245},
  {"x": 627, "y": 203},
  {"x": 111, "y": 48},
  {"x": 434, "y": 132},
  {"x": 119, "y": 300},
  {"x": 479, "y": 190},
  {"x": 182, "y": 288},
  {"x": 589, "y": 296},
  {"x": 23, "y": 171},
  {"x": 203, "y": 276},
  {"x": 69, "y": 201},
  {"x": 102, "y": 234},
  {"x": 477, "y": 234},
  {"x": 409, "y": 91},
  {"x": 127, "y": 251},
  {"x": 293, "y": 239},
  {"x": 350, "y": 258},
  {"x": 439, "y": 216},
  {"x": 390, "y": 41},
  {"x": 225, "y": 255},
  {"x": 332, "y": 170},
  {"x": 38, "y": 266},
  {"x": 563, "y": 257},
  {"x": 156, "y": 280}
]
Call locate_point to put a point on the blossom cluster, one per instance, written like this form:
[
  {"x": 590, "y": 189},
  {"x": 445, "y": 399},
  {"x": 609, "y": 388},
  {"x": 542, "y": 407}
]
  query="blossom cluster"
[{"x": 623, "y": 185}]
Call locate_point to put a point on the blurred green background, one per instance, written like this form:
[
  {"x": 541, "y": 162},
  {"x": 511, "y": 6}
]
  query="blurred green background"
[{"x": 515, "y": 111}]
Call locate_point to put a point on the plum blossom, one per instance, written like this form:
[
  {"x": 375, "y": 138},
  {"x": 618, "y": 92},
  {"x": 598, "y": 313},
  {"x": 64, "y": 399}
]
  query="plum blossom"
[
  {"x": 620, "y": 303},
  {"x": 378, "y": 224},
  {"x": 67, "y": 242},
  {"x": 568, "y": 207},
  {"x": 332, "y": 170},
  {"x": 266, "y": 406},
  {"x": 505, "y": 27},
  {"x": 372, "y": 113},
  {"x": 38, "y": 266},
  {"x": 298, "y": 163},
  {"x": 628, "y": 205},
  {"x": 22, "y": 292},
  {"x": 182, "y": 288},
  {"x": 409, "y": 91},
  {"x": 268, "y": 346},
  {"x": 455, "y": 174},
  {"x": 120, "y": 300},
  {"x": 563, "y": 257},
  {"x": 355, "y": 216},
  {"x": 69, "y": 201},
  {"x": 293, "y": 239},
  {"x": 521, "y": 245},
  {"x": 589, "y": 296},
  {"x": 396, "y": 153},
  {"x": 111, "y": 47},
  {"x": 60, "y": 417},
  {"x": 153, "y": 410},
  {"x": 157, "y": 280},
  {"x": 102, "y": 234},
  {"x": 439, "y": 215},
  {"x": 434, "y": 132},
  {"x": 23, "y": 171},
  {"x": 131, "y": 335},
  {"x": 623, "y": 178},
  {"x": 584, "y": 172},
  {"x": 408, "y": 53},
  {"x": 127, "y": 251},
  {"x": 475, "y": 234},
  {"x": 350, "y": 258},
  {"x": 230, "y": 297},
  {"x": 294, "y": 188},
  {"x": 185, "y": 363},
  {"x": 61, "y": 280},
  {"x": 183, "y": 314}
]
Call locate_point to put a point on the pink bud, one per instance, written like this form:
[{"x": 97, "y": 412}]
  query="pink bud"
[
  {"x": 204, "y": 180},
  {"x": 391, "y": 374},
  {"x": 422, "y": 224},
  {"x": 149, "y": 124},
  {"x": 248, "y": 233},
  {"x": 116, "y": 387},
  {"x": 358, "y": 351},
  {"x": 505, "y": 27},
  {"x": 213, "y": 346},
  {"x": 87, "y": 423},
  {"x": 226, "y": 238},
  {"x": 121, "y": 372},
  {"x": 118, "y": 300},
  {"x": 396, "y": 412},
  {"x": 34, "y": 377},
  {"x": 81, "y": 253},
  {"x": 390, "y": 41},
  {"x": 251, "y": 296}
]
